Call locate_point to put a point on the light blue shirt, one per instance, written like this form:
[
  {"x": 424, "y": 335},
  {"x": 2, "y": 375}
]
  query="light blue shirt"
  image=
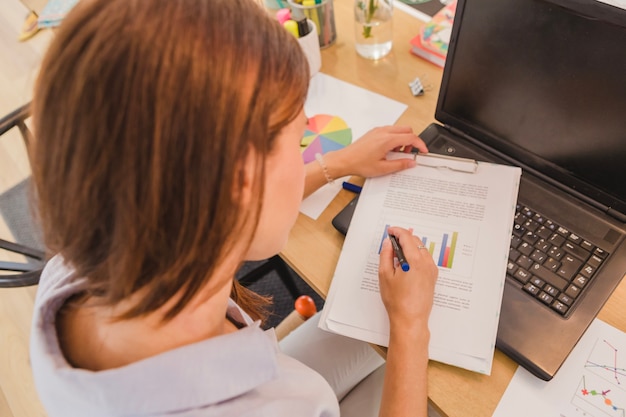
[{"x": 238, "y": 374}]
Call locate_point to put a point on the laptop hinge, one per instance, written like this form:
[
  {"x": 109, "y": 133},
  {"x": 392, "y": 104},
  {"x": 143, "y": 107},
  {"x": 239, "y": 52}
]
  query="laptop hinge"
[{"x": 572, "y": 192}]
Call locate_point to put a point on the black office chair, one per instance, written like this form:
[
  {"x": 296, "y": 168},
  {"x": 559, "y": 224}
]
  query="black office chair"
[{"x": 24, "y": 273}]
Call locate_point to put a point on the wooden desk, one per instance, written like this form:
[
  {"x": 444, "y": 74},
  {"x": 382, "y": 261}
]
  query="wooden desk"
[{"x": 314, "y": 245}]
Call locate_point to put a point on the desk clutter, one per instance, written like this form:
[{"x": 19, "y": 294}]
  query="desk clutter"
[
  {"x": 294, "y": 13},
  {"x": 431, "y": 43}
]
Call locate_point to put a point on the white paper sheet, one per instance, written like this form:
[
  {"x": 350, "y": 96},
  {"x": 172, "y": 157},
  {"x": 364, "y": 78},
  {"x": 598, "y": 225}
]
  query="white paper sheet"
[
  {"x": 361, "y": 109},
  {"x": 466, "y": 221},
  {"x": 590, "y": 383}
]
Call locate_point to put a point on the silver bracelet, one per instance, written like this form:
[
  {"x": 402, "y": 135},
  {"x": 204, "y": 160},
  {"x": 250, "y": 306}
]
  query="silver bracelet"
[{"x": 319, "y": 158}]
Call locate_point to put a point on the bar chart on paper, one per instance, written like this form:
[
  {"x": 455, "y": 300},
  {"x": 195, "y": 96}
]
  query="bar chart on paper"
[{"x": 451, "y": 246}]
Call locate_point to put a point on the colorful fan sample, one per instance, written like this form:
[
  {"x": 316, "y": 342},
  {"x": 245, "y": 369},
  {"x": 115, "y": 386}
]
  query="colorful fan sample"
[{"x": 324, "y": 133}]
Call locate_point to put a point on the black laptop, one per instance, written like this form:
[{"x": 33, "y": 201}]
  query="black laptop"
[{"x": 541, "y": 84}]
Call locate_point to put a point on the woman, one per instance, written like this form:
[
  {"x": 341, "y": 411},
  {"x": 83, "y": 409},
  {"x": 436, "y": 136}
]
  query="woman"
[{"x": 168, "y": 153}]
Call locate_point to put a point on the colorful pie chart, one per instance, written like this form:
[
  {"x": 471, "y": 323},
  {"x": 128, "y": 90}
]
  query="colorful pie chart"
[{"x": 324, "y": 133}]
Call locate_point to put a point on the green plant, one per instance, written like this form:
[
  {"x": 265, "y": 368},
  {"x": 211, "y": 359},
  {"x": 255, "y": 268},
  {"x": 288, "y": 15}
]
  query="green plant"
[{"x": 368, "y": 8}]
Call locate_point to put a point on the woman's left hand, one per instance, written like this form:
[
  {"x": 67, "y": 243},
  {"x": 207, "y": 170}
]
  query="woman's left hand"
[{"x": 366, "y": 157}]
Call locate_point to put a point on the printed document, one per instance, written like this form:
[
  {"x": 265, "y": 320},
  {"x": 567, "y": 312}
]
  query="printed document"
[
  {"x": 590, "y": 383},
  {"x": 463, "y": 212},
  {"x": 361, "y": 109}
]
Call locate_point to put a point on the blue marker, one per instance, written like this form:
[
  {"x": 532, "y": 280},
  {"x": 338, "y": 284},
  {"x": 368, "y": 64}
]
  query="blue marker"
[
  {"x": 351, "y": 187},
  {"x": 399, "y": 254}
]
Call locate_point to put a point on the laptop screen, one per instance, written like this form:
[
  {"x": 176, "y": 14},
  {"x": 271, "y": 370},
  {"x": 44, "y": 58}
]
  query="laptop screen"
[{"x": 544, "y": 82}]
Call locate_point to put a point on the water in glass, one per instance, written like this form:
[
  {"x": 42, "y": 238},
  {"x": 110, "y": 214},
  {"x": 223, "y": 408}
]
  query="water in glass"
[{"x": 373, "y": 27}]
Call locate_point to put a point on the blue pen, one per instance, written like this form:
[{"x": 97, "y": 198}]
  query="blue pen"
[
  {"x": 351, "y": 187},
  {"x": 399, "y": 254}
]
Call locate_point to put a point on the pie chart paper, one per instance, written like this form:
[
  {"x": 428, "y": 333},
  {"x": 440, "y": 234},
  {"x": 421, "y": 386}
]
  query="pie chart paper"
[{"x": 324, "y": 133}]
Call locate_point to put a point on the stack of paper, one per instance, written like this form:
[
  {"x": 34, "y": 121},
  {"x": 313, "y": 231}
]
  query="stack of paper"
[{"x": 464, "y": 216}]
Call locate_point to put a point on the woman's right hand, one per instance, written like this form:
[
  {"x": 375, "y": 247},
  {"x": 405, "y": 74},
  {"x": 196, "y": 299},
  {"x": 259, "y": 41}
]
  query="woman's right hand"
[{"x": 407, "y": 296}]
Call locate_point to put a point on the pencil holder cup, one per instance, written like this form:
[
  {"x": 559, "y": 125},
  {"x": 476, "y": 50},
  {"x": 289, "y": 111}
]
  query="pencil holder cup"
[
  {"x": 321, "y": 13},
  {"x": 311, "y": 48}
]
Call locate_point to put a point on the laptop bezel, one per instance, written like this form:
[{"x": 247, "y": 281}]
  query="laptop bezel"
[{"x": 551, "y": 173}]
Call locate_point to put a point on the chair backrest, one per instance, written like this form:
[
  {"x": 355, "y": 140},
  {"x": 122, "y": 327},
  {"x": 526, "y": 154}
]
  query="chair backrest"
[{"x": 22, "y": 273}]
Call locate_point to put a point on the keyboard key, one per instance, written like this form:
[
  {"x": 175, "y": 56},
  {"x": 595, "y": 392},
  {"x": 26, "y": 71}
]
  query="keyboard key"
[
  {"x": 549, "y": 277},
  {"x": 537, "y": 282},
  {"x": 538, "y": 256},
  {"x": 525, "y": 248},
  {"x": 569, "y": 267},
  {"x": 530, "y": 237},
  {"x": 601, "y": 253},
  {"x": 574, "y": 238},
  {"x": 587, "y": 245},
  {"x": 573, "y": 291},
  {"x": 595, "y": 261},
  {"x": 524, "y": 261},
  {"x": 551, "y": 290},
  {"x": 544, "y": 232},
  {"x": 546, "y": 298},
  {"x": 518, "y": 230},
  {"x": 556, "y": 252},
  {"x": 565, "y": 299},
  {"x": 560, "y": 307},
  {"x": 588, "y": 271},
  {"x": 580, "y": 281},
  {"x": 522, "y": 275},
  {"x": 552, "y": 264},
  {"x": 576, "y": 250},
  {"x": 531, "y": 225},
  {"x": 543, "y": 245},
  {"x": 562, "y": 231},
  {"x": 531, "y": 289},
  {"x": 556, "y": 239}
]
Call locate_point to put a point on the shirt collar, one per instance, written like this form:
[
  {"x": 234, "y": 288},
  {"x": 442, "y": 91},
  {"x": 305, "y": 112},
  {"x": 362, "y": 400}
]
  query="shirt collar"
[
  {"x": 191, "y": 376},
  {"x": 195, "y": 375}
]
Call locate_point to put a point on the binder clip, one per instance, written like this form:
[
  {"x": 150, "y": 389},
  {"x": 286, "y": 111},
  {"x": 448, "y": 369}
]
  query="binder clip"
[{"x": 417, "y": 88}]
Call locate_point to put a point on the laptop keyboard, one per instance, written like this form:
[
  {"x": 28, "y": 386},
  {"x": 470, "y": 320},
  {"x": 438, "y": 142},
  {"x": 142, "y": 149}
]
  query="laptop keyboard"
[{"x": 552, "y": 264}]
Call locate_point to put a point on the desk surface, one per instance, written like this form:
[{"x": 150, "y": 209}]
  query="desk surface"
[{"x": 314, "y": 245}]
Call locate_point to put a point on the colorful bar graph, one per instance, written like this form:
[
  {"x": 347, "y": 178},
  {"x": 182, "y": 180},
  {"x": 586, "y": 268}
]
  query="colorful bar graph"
[{"x": 445, "y": 258}]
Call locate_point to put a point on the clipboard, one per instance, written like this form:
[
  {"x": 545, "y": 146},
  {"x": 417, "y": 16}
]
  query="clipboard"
[
  {"x": 463, "y": 212},
  {"x": 341, "y": 221},
  {"x": 452, "y": 163}
]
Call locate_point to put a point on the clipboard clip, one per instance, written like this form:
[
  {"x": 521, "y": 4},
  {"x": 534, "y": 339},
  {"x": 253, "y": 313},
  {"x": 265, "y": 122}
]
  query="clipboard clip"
[{"x": 452, "y": 163}]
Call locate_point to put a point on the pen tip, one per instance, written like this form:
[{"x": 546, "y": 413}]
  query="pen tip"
[{"x": 405, "y": 267}]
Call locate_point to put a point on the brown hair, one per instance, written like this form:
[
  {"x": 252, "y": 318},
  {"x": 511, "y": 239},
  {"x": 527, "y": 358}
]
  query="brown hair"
[{"x": 144, "y": 114}]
